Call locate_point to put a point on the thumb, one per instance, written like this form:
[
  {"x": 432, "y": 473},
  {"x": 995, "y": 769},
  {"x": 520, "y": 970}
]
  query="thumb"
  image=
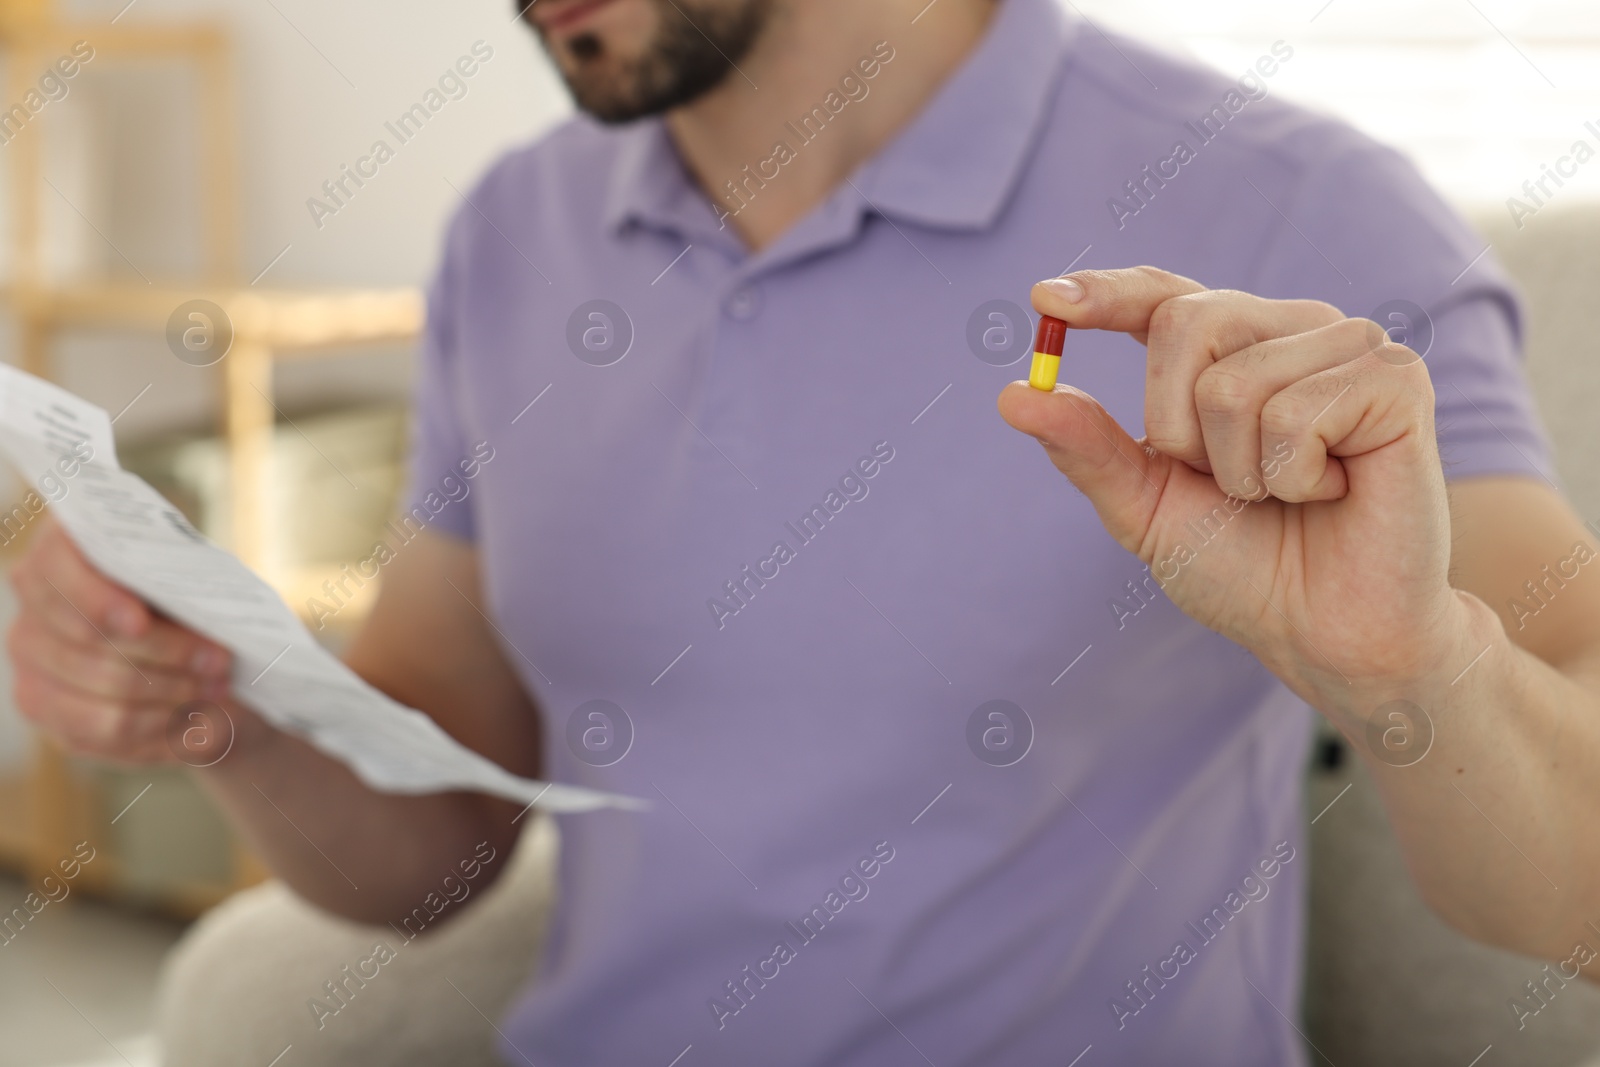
[{"x": 1119, "y": 476}]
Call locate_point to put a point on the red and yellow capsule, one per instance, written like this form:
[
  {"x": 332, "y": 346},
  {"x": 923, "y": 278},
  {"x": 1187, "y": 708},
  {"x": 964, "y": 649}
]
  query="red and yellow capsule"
[{"x": 1047, "y": 354}]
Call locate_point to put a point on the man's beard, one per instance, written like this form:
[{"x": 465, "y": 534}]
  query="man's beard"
[{"x": 692, "y": 52}]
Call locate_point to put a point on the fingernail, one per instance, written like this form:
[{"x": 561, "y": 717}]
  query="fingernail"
[
  {"x": 1064, "y": 288},
  {"x": 125, "y": 620}
]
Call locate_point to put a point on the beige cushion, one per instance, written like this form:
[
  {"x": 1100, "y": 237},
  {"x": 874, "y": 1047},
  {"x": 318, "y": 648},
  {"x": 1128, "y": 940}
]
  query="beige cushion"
[
  {"x": 238, "y": 988},
  {"x": 1387, "y": 982},
  {"x": 1555, "y": 259}
]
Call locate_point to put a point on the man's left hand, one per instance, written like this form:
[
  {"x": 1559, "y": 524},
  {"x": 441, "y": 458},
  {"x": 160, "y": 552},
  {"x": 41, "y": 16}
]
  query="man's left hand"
[{"x": 1288, "y": 493}]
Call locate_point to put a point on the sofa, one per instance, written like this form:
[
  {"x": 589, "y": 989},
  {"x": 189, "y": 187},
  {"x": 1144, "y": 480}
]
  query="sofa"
[{"x": 1386, "y": 983}]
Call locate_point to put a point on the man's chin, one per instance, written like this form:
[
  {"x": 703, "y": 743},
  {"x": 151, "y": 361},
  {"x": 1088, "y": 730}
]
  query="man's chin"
[
  {"x": 619, "y": 70},
  {"x": 600, "y": 96},
  {"x": 614, "y": 93},
  {"x": 609, "y": 113}
]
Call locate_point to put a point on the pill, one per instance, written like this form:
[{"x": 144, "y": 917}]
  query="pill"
[{"x": 1047, "y": 353}]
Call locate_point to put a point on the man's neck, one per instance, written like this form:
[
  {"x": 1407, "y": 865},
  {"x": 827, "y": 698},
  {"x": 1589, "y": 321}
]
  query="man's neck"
[{"x": 809, "y": 48}]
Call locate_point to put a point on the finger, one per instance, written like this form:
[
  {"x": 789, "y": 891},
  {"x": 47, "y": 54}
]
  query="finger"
[
  {"x": 163, "y": 644},
  {"x": 101, "y": 670},
  {"x": 1229, "y": 394},
  {"x": 1329, "y": 424},
  {"x": 94, "y": 726},
  {"x": 1096, "y": 454},
  {"x": 104, "y": 605},
  {"x": 1121, "y": 300},
  {"x": 42, "y": 605},
  {"x": 1192, "y": 335}
]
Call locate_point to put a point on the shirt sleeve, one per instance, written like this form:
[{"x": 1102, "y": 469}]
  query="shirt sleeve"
[
  {"x": 439, "y": 449},
  {"x": 1391, "y": 250}
]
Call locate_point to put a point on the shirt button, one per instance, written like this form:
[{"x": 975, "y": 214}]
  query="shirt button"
[{"x": 744, "y": 303}]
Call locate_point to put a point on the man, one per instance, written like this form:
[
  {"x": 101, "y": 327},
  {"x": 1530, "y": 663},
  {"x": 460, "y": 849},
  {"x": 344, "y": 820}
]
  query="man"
[{"x": 940, "y": 771}]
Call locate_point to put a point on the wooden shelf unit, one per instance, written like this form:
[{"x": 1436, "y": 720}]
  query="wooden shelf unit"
[{"x": 49, "y": 807}]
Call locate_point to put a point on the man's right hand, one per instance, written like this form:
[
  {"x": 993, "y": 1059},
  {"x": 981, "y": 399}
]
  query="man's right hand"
[
  {"x": 99, "y": 670},
  {"x": 96, "y": 668}
]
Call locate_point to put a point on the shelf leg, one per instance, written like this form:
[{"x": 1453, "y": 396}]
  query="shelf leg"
[{"x": 247, "y": 370}]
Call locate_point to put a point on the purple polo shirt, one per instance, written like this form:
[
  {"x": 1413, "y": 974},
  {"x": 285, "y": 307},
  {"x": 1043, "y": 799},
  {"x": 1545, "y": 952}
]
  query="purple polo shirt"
[{"x": 937, "y": 776}]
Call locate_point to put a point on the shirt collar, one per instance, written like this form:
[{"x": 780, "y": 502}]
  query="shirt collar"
[
  {"x": 648, "y": 183},
  {"x": 954, "y": 165},
  {"x": 957, "y": 162}
]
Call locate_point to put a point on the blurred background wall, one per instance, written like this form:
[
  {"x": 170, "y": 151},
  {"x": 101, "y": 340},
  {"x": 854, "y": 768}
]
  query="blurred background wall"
[
  {"x": 1479, "y": 92},
  {"x": 314, "y": 83}
]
